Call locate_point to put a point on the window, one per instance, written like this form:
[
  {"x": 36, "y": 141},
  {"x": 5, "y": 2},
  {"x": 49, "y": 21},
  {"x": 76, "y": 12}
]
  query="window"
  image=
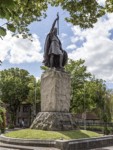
[{"x": 25, "y": 108}]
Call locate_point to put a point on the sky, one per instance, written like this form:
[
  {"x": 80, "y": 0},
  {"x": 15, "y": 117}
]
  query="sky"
[{"x": 94, "y": 45}]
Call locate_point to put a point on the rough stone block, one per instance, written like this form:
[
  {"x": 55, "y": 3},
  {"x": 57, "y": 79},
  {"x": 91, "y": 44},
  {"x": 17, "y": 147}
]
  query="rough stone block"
[
  {"x": 54, "y": 121},
  {"x": 55, "y": 91}
]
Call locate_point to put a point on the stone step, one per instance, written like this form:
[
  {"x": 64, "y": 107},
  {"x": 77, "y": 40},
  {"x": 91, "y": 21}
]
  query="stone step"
[{"x": 18, "y": 147}]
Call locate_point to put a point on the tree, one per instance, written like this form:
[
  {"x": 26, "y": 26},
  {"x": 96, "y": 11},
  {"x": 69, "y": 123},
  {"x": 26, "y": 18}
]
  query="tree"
[
  {"x": 19, "y": 14},
  {"x": 81, "y": 12},
  {"x": 109, "y": 97},
  {"x": 14, "y": 89},
  {"x": 1, "y": 110},
  {"x": 34, "y": 96},
  {"x": 109, "y": 6},
  {"x": 79, "y": 76},
  {"x": 88, "y": 93},
  {"x": 2, "y": 118},
  {"x": 99, "y": 95}
]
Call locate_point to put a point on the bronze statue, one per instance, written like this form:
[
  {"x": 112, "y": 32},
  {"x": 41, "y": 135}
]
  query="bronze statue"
[{"x": 54, "y": 55}]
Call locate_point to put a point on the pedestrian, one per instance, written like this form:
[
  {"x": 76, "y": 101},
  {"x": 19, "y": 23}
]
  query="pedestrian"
[{"x": 22, "y": 123}]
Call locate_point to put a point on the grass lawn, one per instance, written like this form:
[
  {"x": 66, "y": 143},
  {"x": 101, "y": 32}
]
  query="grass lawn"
[{"x": 41, "y": 134}]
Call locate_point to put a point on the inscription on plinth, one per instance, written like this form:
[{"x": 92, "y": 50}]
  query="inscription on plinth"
[{"x": 55, "y": 91}]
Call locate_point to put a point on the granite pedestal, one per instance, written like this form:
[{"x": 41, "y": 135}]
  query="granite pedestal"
[{"x": 55, "y": 102}]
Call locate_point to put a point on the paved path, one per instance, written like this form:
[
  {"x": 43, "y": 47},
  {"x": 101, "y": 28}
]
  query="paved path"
[
  {"x": 1, "y": 148},
  {"x": 38, "y": 148},
  {"x": 4, "y": 146},
  {"x": 44, "y": 148},
  {"x": 104, "y": 148}
]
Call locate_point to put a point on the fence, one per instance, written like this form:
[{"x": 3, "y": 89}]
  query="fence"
[{"x": 106, "y": 128}]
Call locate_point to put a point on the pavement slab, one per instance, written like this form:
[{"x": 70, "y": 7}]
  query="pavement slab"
[
  {"x": 104, "y": 148},
  {"x": 18, "y": 147}
]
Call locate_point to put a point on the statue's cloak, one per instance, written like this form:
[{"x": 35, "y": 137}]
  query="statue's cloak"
[
  {"x": 52, "y": 46},
  {"x": 46, "y": 50}
]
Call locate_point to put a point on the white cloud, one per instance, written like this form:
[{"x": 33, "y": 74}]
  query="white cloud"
[
  {"x": 19, "y": 50},
  {"x": 97, "y": 47},
  {"x": 101, "y": 2},
  {"x": 63, "y": 35},
  {"x": 70, "y": 47},
  {"x": 37, "y": 78}
]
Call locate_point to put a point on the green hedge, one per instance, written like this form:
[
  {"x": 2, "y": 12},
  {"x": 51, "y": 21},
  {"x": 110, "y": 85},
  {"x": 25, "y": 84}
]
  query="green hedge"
[
  {"x": 104, "y": 129},
  {"x": 2, "y": 120}
]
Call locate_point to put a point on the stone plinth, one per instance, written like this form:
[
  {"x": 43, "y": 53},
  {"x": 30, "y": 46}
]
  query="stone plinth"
[
  {"x": 55, "y": 91},
  {"x": 54, "y": 121},
  {"x": 55, "y": 102}
]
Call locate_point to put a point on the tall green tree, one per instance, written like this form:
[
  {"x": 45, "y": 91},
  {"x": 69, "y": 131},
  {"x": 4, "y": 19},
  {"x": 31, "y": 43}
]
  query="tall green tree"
[
  {"x": 88, "y": 93},
  {"x": 109, "y": 97},
  {"x": 34, "y": 96},
  {"x": 79, "y": 76},
  {"x": 2, "y": 118},
  {"x": 100, "y": 98},
  {"x": 14, "y": 88},
  {"x": 1, "y": 110}
]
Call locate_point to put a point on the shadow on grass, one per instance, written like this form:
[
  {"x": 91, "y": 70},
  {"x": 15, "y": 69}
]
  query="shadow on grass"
[{"x": 75, "y": 134}]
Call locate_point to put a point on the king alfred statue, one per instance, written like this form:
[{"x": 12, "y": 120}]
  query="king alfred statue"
[
  {"x": 54, "y": 55},
  {"x": 55, "y": 88}
]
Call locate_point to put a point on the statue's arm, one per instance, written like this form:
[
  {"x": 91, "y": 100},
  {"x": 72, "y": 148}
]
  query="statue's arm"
[{"x": 53, "y": 25}]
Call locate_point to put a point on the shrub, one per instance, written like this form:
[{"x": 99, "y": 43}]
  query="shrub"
[
  {"x": 2, "y": 120},
  {"x": 11, "y": 126}
]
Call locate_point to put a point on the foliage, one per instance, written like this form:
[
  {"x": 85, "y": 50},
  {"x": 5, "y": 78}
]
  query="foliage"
[
  {"x": 88, "y": 94},
  {"x": 34, "y": 92},
  {"x": 1, "y": 111},
  {"x": 2, "y": 119},
  {"x": 109, "y": 6},
  {"x": 79, "y": 75},
  {"x": 81, "y": 12},
  {"x": 110, "y": 101},
  {"x": 19, "y": 14},
  {"x": 44, "y": 68},
  {"x": 11, "y": 126},
  {"x": 41, "y": 134},
  {"x": 98, "y": 94},
  {"x": 100, "y": 129},
  {"x": 14, "y": 88}
]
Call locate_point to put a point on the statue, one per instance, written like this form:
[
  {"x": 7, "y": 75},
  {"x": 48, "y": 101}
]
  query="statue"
[{"x": 54, "y": 55}]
